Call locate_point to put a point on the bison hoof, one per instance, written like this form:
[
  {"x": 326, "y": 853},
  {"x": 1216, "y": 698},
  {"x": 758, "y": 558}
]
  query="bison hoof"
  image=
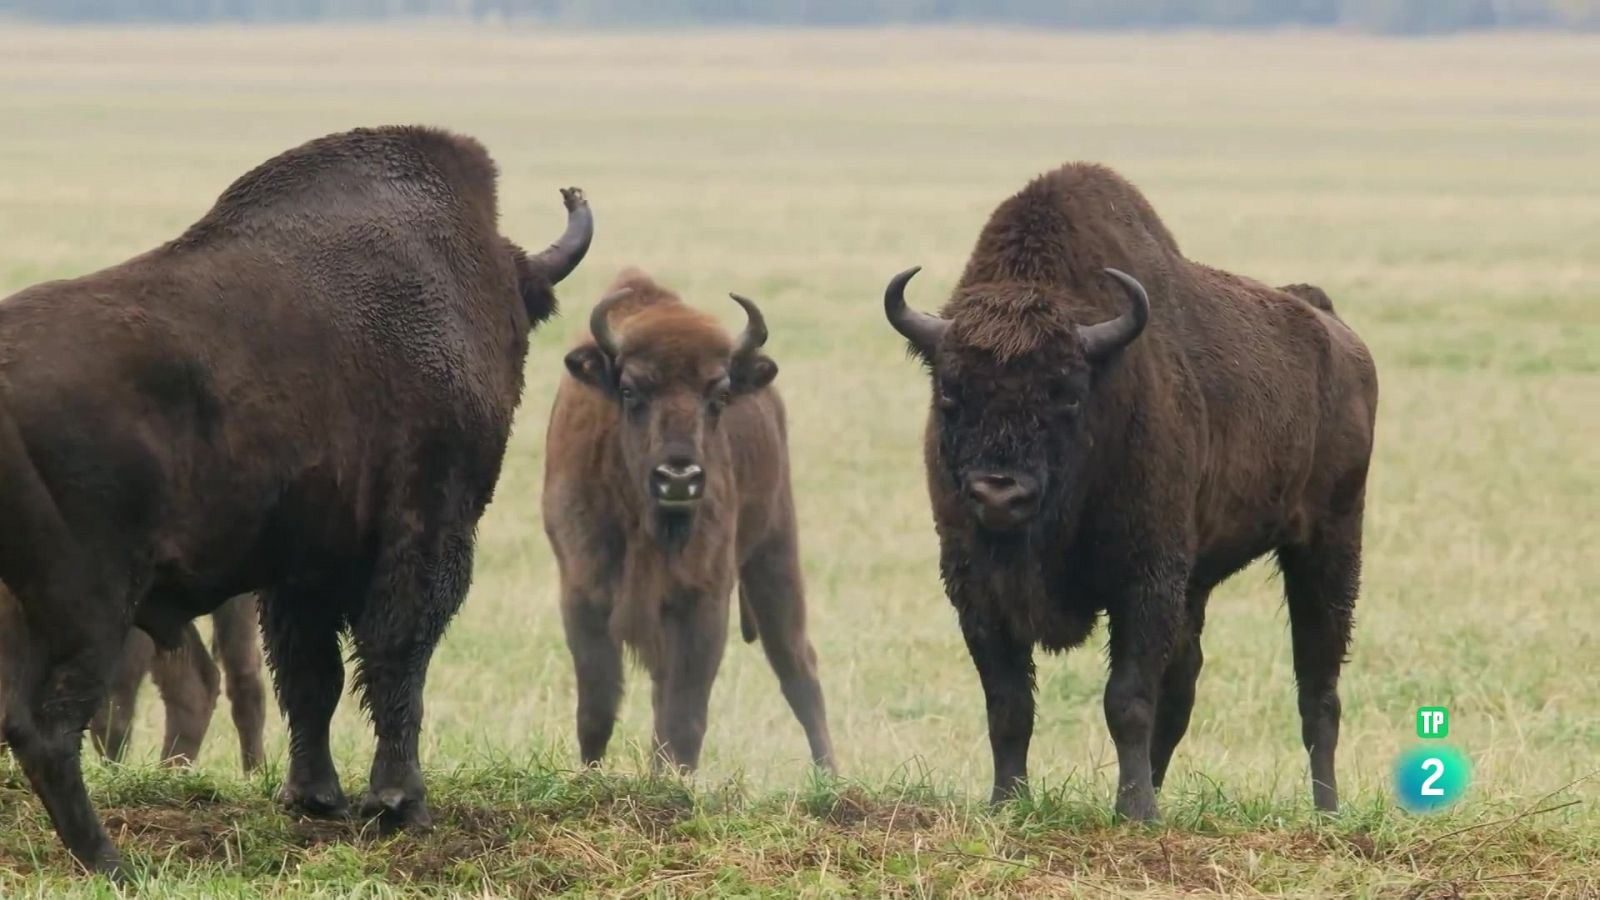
[
  {"x": 108, "y": 862},
  {"x": 395, "y": 810},
  {"x": 1138, "y": 807},
  {"x": 1007, "y": 792},
  {"x": 315, "y": 801}
]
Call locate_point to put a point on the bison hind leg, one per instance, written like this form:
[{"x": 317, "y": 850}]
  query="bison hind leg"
[
  {"x": 1320, "y": 580},
  {"x": 772, "y": 590},
  {"x": 236, "y": 646},
  {"x": 419, "y": 583},
  {"x": 189, "y": 684},
  {"x": 58, "y": 663},
  {"x": 301, "y": 633},
  {"x": 112, "y": 725}
]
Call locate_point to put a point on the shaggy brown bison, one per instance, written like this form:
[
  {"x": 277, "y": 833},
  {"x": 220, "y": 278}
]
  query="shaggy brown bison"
[
  {"x": 189, "y": 684},
  {"x": 667, "y": 482},
  {"x": 1093, "y": 448},
  {"x": 306, "y": 394}
]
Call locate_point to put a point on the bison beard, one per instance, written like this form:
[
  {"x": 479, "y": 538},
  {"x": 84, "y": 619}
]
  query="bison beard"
[
  {"x": 1116, "y": 430},
  {"x": 306, "y": 395}
]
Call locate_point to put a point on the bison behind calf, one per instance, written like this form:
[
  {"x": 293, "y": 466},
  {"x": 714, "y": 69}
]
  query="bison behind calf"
[
  {"x": 308, "y": 395},
  {"x": 666, "y": 483},
  {"x": 1117, "y": 429}
]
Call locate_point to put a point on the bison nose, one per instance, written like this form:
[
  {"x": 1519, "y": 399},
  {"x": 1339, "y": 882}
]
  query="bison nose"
[
  {"x": 677, "y": 484},
  {"x": 1003, "y": 500}
]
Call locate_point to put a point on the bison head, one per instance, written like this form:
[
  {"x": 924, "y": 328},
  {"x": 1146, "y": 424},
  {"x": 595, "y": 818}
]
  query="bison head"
[
  {"x": 672, "y": 371},
  {"x": 1012, "y": 378}
]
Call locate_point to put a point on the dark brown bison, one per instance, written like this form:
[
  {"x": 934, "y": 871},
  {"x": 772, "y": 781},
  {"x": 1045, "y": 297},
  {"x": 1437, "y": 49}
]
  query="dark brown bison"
[
  {"x": 1117, "y": 429},
  {"x": 667, "y": 482},
  {"x": 307, "y": 394},
  {"x": 189, "y": 684}
]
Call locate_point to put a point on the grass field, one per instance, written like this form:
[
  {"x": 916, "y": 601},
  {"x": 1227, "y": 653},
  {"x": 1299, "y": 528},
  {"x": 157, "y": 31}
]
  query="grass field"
[{"x": 1446, "y": 194}]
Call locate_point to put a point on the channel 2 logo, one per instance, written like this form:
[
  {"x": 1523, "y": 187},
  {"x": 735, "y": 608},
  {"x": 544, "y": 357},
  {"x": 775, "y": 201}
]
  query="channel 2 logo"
[{"x": 1432, "y": 775}]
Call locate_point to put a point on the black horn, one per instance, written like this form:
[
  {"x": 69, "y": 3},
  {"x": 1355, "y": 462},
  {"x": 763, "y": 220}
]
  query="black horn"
[
  {"x": 600, "y": 323},
  {"x": 559, "y": 259},
  {"x": 754, "y": 334},
  {"x": 921, "y": 329},
  {"x": 1103, "y": 340}
]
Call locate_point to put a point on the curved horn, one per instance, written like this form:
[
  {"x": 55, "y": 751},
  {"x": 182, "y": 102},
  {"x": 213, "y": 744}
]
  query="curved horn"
[
  {"x": 1103, "y": 340},
  {"x": 559, "y": 259},
  {"x": 754, "y": 334},
  {"x": 921, "y": 329},
  {"x": 600, "y": 324}
]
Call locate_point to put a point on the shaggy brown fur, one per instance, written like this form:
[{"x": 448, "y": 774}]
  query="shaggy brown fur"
[
  {"x": 307, "y": 395},
  {"x": 189, "y": 683},
  {"x": 656, "y": 575},
  {"x": 1073, "y": 474}
]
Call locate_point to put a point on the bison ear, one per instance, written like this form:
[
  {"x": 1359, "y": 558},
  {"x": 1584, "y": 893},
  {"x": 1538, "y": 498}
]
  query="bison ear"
[
  {"x": 592, "y": 367},
  {"x": 753, "y": 373}
]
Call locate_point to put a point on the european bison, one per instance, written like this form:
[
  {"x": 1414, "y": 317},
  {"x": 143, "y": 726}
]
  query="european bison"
[
  {"x": 306, "y": 394},
  {"x": 666, "y": 482},
  {"x": 189, "y": 684},
  {"x": 1093, "y": 449}
]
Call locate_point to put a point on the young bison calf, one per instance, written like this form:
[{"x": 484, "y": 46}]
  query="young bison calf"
[
  {"x": 189, "y": 684},
  {"x": 667, "y": 481}
]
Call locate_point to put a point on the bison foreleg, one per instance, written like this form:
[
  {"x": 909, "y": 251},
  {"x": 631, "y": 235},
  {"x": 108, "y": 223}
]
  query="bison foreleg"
[
  {"x": 301, "y": 632},
  {"x": 1005, "y": 667},
  {"x": 1177, "y": 689},
  {"x": 597, "y": 661},
  {"x": 1145, "y": 624},
  {"x": 416, "y": 590},
  {"x": 694, "y": 635}
]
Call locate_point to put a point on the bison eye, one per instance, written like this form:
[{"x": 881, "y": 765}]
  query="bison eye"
[
  {"x": 947, "y": 402},
  {"x": 1060, "y": 396},
  {"x": 628, "y": 395}
]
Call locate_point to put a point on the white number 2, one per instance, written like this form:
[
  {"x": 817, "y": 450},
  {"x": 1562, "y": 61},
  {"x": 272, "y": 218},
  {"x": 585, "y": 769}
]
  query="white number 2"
[{"x": 1437, "y": 765}]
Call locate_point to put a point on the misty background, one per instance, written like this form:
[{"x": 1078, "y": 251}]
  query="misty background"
[{"x": 1381, "y": 16}]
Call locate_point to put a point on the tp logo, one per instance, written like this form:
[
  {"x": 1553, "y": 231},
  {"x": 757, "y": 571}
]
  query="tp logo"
[
  {"x": 1431, "y": 777},
  {"x": 1433, "y": 722}
]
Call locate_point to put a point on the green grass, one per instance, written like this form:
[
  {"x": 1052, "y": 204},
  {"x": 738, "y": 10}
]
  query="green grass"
[
  {"x": 1445, "y": 193},
  {"x": 534, "y": 830}
]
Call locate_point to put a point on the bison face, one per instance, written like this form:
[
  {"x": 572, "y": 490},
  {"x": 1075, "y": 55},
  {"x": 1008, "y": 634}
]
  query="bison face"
[
  {"x": 1011, "y": 378},
  {"x": 1008, "y": 435},
  {"x": 672, "y": 374}
]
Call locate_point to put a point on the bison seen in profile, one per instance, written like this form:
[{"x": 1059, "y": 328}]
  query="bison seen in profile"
[
  {"x": 187, "y": 679},
  {"x": 667, "y": 483},
  {"x": 1117, "y": 429},
  {"x": 307, "y": 394}
]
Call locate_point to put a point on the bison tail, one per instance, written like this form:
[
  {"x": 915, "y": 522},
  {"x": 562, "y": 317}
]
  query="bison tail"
[
  {"x": 747, "y": 619},
  {"x": 32, "y": 532},
  {"x": 1311, "y": 294}
]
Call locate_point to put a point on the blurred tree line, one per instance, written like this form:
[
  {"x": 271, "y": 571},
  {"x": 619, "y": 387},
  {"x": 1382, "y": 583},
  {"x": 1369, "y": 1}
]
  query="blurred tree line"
[{"x": 1387, "y": 16}]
